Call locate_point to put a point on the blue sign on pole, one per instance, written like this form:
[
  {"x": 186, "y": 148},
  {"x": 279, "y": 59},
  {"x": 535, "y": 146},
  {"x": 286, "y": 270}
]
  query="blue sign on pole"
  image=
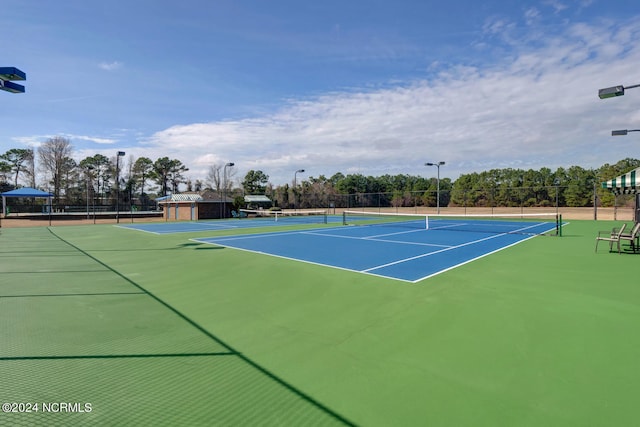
[{"x": 7, "y": 74}]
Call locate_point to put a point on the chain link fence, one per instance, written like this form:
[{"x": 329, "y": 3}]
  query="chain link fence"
[
  {"x": 584, "y": 205},
  {"x": 593, "y": 204}
]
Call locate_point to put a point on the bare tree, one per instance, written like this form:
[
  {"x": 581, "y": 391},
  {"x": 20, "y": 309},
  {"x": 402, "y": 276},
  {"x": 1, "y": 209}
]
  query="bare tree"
[
  {"x": 228, "y": 179},
  {"x": 53, "y": 155},
  {"x": 216, "y": 180}
]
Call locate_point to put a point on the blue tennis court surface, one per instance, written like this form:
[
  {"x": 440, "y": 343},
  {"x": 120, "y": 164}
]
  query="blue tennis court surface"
[
  {"x": 392, "y": 251},
  {"x": 224, "y": 224}
]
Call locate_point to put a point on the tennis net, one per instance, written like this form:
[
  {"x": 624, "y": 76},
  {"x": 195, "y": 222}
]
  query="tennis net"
[
  {"x": 533, "y": 224},
  {"x": 301, "y": 216}
]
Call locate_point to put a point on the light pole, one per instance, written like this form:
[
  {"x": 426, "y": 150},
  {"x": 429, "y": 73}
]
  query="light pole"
[
  {"x": 437, "y": 183},
  {"x": 613, "y": 91},
  {"x": 623, "y": 132},
  {"x": 88, "y": 177},
  {"x": 224, "y": 173},
  {"x": 7, "y": 75},
  {"x": 120, "y": 154},
  {"x": 556, "y": 183},
  {"x": 295, "y": 184}
]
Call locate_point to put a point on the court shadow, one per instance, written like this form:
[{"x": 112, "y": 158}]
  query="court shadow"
[
  {"x": 197, "y": 246},
  {"x": 188, "y": 244},
  {"x": 233, "y": 387}
]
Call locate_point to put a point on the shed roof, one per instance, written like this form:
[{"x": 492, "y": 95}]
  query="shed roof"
[
  {"x": 206, "y": 196},
  {"x": 182, "y": 197},
  {"x": 257, "y": 198},
  {"x": 26, "y": 192}
]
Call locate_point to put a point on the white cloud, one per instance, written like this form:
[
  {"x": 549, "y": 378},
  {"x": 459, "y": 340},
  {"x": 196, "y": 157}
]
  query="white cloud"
[
  {"x": 537, "y": 108},
  {"x": 94, "y": 139},
  {"x": 37, "y": 140},
  {"x": 110, "y": 66},
  {"x": 557, "y": 6},
  {"x": 531, "y": 15}
]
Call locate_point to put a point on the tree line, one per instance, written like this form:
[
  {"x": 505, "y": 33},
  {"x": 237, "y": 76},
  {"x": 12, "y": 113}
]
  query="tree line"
[
  {"x": 141, "y": 180},
  {"x": 96, "y": 177},
  {"x": 574, "y": 186}
]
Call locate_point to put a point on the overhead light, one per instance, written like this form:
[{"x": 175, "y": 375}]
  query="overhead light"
[
  {"x": 623, "y": 132},
  {"x": 12, "y": 73},
  {"x": 611, "y": 92},
  {"x": 11, "y": 87}
]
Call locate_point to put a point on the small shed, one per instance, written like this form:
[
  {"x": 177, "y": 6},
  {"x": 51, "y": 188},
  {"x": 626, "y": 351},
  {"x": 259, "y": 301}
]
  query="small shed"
[
  {"x": 258, "y": 201},
  {"x": 194, "y": 206}
]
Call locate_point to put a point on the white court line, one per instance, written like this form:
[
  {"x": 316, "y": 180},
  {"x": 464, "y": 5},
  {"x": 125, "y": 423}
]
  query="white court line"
[
  {"x": 473, "y": 242},
  {"x": 169, "y": 230},
  {"x": 394, "y": 234},
  {"x": 260, "y": 235},
  {"x": 455, "y": 247},
  {"x": 472, "y": 259},
  {"x": 303, "y": 260},
  {"x": 212, "y": 225},
  {"x": 138, "y": 229},
  {"x": 368, "y": 271},
  {"x": 377, "y": 240}
]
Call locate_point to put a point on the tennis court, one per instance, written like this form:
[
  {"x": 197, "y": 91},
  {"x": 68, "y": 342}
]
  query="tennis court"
[
  {"x": 398, "y": 247},
  {"x": 84, "y": 344},
  {"x": 165, "y": 329},
  {"x": 265, "y": 220}
]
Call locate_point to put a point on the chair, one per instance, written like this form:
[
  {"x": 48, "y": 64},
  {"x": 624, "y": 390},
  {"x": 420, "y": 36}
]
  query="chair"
[
  {"x": 611, "y": 237},
  {"x": 238, "y": 214},
  {"x": 633, "y": 237}
]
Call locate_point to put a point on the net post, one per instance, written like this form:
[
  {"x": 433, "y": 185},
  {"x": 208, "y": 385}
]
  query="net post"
[
  {"x": 344, "y": 218},
  {"x": 426, "y": 222},
  {"x": 559, "y": 225}
]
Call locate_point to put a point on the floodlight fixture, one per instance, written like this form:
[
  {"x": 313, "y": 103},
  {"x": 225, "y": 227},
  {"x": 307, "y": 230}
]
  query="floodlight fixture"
[
  {"x": 7, "y": 74},
  {"x": 11, "y": 87},
  {"x": 438, "y": 182},
  {"x": 295, "y": 176},
  {"x": 613, "y": 91},
  {"x": 12, "y": 73},
  {"x": 295, "y": 184},
  {"x": 224, "y": 190},
  {"x": 120, "y": 154},
  {"x": 623, "y": 132}
]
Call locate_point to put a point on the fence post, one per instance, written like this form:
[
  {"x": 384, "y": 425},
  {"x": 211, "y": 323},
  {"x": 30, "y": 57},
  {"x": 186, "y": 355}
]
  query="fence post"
[{"x": 595, "y": 202}]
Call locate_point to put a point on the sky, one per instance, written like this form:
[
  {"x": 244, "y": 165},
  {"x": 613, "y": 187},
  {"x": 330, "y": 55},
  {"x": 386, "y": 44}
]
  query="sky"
[{"x": 358, "y": 87}]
